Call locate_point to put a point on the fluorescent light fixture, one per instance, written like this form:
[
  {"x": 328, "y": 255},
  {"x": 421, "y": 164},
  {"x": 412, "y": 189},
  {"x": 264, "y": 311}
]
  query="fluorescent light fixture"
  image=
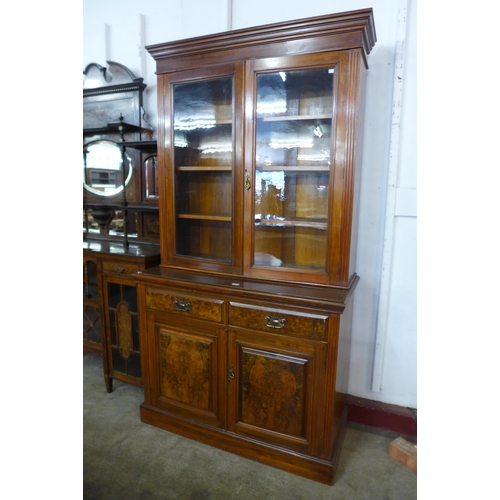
[
  {"x": 194, "y": 124},
  {"x": 277, "y": 144},
  {"x": 217, "y": 149},
  {"x": 180, "y": 141},
  {"x": 270, "y": 108},
  {"x": 322, "y": 157}
]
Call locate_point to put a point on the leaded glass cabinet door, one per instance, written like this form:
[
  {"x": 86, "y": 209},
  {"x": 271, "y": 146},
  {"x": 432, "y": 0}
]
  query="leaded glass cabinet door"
[
  {"x": 294, "y": 129},
  {"x": 123, "y": 318},
  {"x": 204, "y": 149}
]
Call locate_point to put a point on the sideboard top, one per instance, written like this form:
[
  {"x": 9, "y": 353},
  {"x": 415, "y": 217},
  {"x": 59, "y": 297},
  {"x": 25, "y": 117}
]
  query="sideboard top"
[{"x": 298, "y": 294}]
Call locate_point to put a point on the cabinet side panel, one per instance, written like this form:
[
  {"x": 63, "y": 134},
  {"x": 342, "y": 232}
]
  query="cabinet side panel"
[
  {"x": 344, "y": 352},
  {"x": 144, "y": 342},
  {"x": 163, "y": 135},
  {"x": 336, "y": 382},
  {"x": 357, "y": 162}
]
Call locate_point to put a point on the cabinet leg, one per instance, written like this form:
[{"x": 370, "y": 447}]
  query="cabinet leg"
[{"x": 109, "y": 383}]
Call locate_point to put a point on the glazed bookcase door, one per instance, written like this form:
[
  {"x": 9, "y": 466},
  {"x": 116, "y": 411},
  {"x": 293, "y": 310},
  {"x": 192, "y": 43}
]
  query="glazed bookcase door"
[
  {"x": 293, "y": 131},
  {"x": 203, "y": 150}
]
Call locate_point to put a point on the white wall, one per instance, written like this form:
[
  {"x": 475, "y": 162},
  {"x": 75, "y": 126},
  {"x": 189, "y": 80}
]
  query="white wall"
[{"x": 383, "y": 357}]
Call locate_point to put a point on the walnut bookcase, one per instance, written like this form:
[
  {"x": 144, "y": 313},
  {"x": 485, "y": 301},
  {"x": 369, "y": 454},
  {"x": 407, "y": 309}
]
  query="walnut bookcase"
[{"x": 245, "y": 324}]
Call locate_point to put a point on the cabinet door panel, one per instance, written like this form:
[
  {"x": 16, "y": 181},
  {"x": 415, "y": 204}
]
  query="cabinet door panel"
[
  {"x": 123, "y": 324},
  {"x": 272, "y": 389},
  {"x": 296, "y": 121},
  {"x": 92, "y": 328},
  {"x": 293, "y": 149},
  {"x": 203, "y": 138},
  {"x": 92, "y": 331},
  {"x": 186, "y": 381}
]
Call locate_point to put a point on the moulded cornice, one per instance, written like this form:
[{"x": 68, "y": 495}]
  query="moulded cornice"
[{"x": 357, "y": 25}]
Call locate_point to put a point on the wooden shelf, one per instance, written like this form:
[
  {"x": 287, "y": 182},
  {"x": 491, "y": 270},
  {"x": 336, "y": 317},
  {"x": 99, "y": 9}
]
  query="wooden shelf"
[
  {"x": 140, "y": 145},
  {"x": 213, "y": 168},
  {"x": 312, "y": 223},
  {"x": 114, "y": 128},
  {"x": 179, "y": 125},
  {"x": 214, "y": 217},
  {"x": 294, "y": 168},
  {"x": 289, "y": 118}
]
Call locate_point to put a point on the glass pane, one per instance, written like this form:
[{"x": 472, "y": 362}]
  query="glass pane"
[
  {"x": 92, "y": 330},
  {"x": 124, "y": 349},
  {"x": 292, "y": 158},
  {"x": 89, "y": 223},
  {"x": 150, "y": 166},
  {"x": 106, "y": 168},
  {"x": 203, "y": 147},
  {"x": 116, "y": 226}
]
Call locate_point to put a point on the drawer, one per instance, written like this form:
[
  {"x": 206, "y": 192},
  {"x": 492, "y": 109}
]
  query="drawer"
[
  {"x": 119, "y": 268},
  {"x": 185, "y": 305},
  {"x": 296, "y": 324}
]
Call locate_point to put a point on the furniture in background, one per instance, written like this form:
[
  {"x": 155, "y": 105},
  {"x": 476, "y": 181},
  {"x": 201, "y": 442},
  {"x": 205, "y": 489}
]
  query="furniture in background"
[
  {"x": 120, "y": 216},
  {"x": 110, "y": 308}
]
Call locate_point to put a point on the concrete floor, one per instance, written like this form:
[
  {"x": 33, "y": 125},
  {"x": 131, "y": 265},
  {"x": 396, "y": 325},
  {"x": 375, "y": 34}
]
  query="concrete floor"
[{"x": 125, "y": 459}]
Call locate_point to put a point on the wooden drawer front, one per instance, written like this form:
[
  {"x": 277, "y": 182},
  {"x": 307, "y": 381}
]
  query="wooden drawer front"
[
  {"x": 270, "y": 320},
  {"x": 192, "y": 307},
  {"x": 119, "y": 268}
]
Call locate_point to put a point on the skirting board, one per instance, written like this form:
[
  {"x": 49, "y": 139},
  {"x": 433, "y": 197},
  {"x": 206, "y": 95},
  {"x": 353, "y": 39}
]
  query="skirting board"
[{"x": 387, "y": 417}]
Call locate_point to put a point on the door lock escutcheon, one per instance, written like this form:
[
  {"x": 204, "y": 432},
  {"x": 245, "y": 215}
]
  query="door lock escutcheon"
[{"x": 248, "y": 183}]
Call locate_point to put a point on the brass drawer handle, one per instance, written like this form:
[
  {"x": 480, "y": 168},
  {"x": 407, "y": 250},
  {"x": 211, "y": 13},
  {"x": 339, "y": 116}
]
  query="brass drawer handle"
[
  {"x": 274, "y": 322},
  {"x": 119, "y": 270},
  {"x": 182, "y": 305}
]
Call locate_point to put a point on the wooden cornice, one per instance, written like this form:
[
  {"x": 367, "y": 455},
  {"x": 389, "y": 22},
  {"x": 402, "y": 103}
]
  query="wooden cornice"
[{"x": 347, "y": 30}]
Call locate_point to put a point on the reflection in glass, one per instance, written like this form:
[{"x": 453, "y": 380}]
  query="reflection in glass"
[
  {"x": 202, "y": 105},
  {"x": 203, "y": 155},
  {"x": 90, "y": 225},
  {"x": 294, "y": 93},
  {"x": 150, "y": 166},
  {"x": 292, "y": 176},
  {"x": 114, "y": 224},
  {"x": 103, "y": 168}
]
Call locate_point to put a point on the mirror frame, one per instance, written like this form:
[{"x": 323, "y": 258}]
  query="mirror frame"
[{"x": 128, "y": 164}]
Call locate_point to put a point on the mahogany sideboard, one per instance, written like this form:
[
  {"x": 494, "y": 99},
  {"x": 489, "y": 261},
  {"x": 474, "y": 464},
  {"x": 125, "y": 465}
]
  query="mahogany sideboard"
[
  {"x": 120, "y": 216},
  {"x": 110, "y": 306}
]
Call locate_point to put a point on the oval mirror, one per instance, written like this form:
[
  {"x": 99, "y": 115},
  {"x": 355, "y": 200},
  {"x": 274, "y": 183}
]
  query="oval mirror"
[{"x": 103, "y": 171}]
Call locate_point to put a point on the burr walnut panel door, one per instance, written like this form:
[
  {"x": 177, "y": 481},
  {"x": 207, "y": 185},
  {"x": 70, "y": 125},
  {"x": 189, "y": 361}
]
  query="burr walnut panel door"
[
  {"x": 274, "y": 387},
  {"x": 187, "y": 381}
]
